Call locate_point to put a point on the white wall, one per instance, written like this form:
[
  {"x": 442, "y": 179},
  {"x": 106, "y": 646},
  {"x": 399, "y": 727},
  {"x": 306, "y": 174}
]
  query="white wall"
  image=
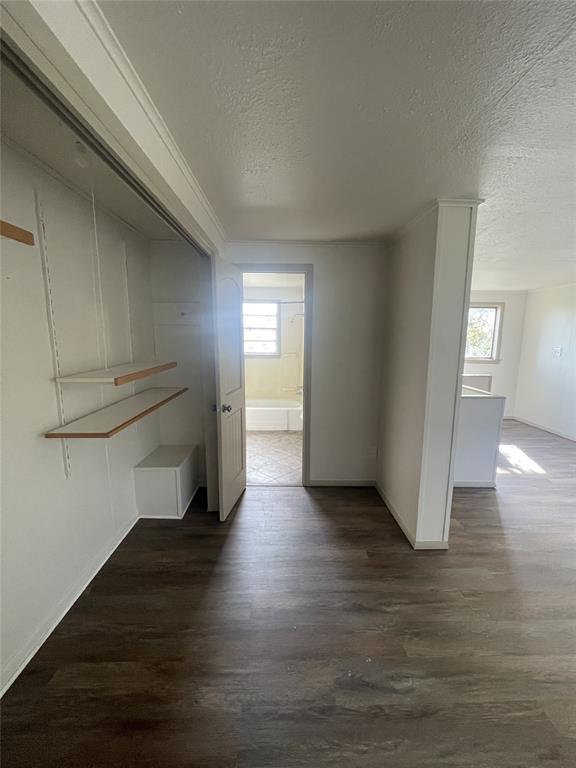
[
  {"x": 278, "y": 377},
  {"x": 546, "y": 394},
  {"x": 405, "y": 365},
  {"x": 179, "y": 294},
  {"x": 428, "y": 290},
  {"x": 504, "y": 372},
  {"x": 347, "y": 304},
  {"x": 58, "y": 529}
]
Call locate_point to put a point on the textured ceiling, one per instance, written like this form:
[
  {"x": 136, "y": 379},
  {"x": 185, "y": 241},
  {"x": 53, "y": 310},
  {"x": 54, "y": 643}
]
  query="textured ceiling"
[{"x": 338, "y": 121}]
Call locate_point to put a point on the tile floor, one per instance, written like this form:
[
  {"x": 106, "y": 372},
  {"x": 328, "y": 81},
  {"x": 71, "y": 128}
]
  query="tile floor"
[{"x": 274, "y": 458}]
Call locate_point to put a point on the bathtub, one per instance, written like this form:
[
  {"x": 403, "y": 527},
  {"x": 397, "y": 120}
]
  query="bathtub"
[{"x": 274, "y": 415}]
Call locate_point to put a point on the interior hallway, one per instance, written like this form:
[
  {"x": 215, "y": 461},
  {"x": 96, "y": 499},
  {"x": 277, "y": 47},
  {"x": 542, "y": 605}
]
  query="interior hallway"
[{"x": 306, "y": 632}]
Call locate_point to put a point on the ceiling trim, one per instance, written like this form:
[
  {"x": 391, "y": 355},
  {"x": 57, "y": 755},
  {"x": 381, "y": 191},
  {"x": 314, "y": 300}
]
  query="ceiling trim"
[
  {"x": 312, "y": 243},
  {"x": 462, "y": 202},
  {"x": 439, "y": 202},
  {"x": 105, "y": 34}
]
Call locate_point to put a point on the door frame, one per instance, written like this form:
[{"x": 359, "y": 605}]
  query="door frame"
[{"x": 308, "y": 271}]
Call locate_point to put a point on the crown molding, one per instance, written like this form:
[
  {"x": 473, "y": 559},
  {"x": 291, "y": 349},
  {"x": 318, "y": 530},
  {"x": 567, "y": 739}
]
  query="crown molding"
[
  {"x": 312, "y": 243},
  {"x": 462, "y": 202},
  {"x": 110, "y": 43},
  {"x": 439, "y": 202}
]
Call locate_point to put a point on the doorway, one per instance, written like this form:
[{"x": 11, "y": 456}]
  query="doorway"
[{"x": 273, "y": 318}]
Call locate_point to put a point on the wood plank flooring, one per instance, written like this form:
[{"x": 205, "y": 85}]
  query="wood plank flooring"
[{"x": 306, "y": 632}]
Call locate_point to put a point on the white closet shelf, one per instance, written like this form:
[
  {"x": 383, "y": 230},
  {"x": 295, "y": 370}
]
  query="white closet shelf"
[
  {"x": 116, "y": 417},
  {"x": 117, "y": 374}
]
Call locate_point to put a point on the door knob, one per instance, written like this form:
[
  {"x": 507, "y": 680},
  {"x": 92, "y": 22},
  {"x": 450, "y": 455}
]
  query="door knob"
[{"x": 226, "y": 408}]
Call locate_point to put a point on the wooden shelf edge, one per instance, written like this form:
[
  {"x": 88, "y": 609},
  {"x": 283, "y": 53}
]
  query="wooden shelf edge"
[
  {"x": 119, "y": 380},
  {"x": 114, "y": 431},
  {"x": 16, "y": 233}
]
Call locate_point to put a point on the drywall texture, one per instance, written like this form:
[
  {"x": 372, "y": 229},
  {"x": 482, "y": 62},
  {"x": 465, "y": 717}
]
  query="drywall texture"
[
  {"x": 59, "y": 526},
  {"x": 410, "y": 281},
  {"x": 546, "y": 394},
  {"x": 345, "y": 316},
  {"x": 179, "y": 294},
  {"x": 286, "y": 137},
  {"x": 280, "y": 377},
  {"x": 428, "y": 289},
  {"x": 504, "y": 372}
]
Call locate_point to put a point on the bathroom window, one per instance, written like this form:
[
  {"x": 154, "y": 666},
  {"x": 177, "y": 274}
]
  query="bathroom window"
[
  {"x": 261, "y": 320},
  {"x": 483, "y": 335}
]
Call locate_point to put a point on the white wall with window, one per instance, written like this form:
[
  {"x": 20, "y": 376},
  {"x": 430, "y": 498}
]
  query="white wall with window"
[
  {"x": 273, "y": 341},
  {"x": 261, "y": 321},
  {"x": 494, "y": 340},
  {"x": 483, "y": 337},
  {"x": 345, "y": 350}
]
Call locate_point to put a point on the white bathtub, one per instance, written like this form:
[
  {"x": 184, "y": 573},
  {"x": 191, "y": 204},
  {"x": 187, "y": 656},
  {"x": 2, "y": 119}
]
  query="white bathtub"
[{"x": 274, "y": 415}]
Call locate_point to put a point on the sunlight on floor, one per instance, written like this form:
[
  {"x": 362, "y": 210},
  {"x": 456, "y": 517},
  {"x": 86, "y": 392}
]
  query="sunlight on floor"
[{"x": 520, "y": 463}]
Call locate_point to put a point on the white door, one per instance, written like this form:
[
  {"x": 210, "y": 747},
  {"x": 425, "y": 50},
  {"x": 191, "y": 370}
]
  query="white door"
[{"x": 230, "y": 407}]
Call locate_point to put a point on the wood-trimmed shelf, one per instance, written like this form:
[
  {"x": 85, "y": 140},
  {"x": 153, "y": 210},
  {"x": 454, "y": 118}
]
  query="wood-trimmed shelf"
[
  {"x": 16, "y": 233},
  {"x": 116, "y": 417},
  {"x": 117, "y": 374}
]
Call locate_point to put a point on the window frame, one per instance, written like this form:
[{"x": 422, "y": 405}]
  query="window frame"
[
  {"x": 496, "y": 339},
  {"x": 265, "y": 355}
]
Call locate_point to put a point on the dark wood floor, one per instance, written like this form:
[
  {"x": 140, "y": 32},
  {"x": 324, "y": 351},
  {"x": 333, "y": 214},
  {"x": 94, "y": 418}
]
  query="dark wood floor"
[{"x": 306, "y": 632}]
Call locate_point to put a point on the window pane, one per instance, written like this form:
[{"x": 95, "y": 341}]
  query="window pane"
[
  {"x": 261, "y": 328},
  {"x": 260, "y": 321},
  {"x": 260, "y": 347},
  {"x": 481, "y": 332},
  {"x": 259, "y": 334},
  {"x": 260, "y": 308}
]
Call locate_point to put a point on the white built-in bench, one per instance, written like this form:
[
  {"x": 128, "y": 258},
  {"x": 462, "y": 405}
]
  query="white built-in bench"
[{"x": 165, "y": 481}]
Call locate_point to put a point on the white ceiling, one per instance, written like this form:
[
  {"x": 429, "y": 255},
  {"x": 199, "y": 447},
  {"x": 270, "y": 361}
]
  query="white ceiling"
[{"x": 341, "y": 120}]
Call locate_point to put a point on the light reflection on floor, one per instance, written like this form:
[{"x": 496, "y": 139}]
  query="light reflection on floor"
[{"x": 519, "y": 463}]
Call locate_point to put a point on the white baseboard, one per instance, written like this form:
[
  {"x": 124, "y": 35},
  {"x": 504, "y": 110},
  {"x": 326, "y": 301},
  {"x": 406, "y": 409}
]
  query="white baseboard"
[
  {"x": 544, "y": 429},
  {"x": 172, "y": 517},
  {"x": 342, "y": 483},
  {"x": 396, "y": 515},
  {"x": 269, "y": 426},
  {"x": 16, "y": 664},
  {"x": 472, "y": 485},
  {"x": 160, "y": 517},
  {"x": 422, "y": 545}
]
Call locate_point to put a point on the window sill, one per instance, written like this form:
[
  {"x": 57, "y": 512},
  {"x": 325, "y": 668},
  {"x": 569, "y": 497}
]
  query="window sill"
[{"x": 482, "y": 360}]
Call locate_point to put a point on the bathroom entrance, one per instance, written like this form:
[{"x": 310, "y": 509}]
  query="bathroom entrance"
[{"x": 274, "y": 371}]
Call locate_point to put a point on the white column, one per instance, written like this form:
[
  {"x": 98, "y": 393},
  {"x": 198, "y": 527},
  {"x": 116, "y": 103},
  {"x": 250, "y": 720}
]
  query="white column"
[{"x": 428, "y": 292}]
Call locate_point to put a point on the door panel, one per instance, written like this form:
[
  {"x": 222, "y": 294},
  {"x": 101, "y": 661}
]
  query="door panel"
[
  {"x": 228, "y": 293},
  {"x": 230, "y": 332}
]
